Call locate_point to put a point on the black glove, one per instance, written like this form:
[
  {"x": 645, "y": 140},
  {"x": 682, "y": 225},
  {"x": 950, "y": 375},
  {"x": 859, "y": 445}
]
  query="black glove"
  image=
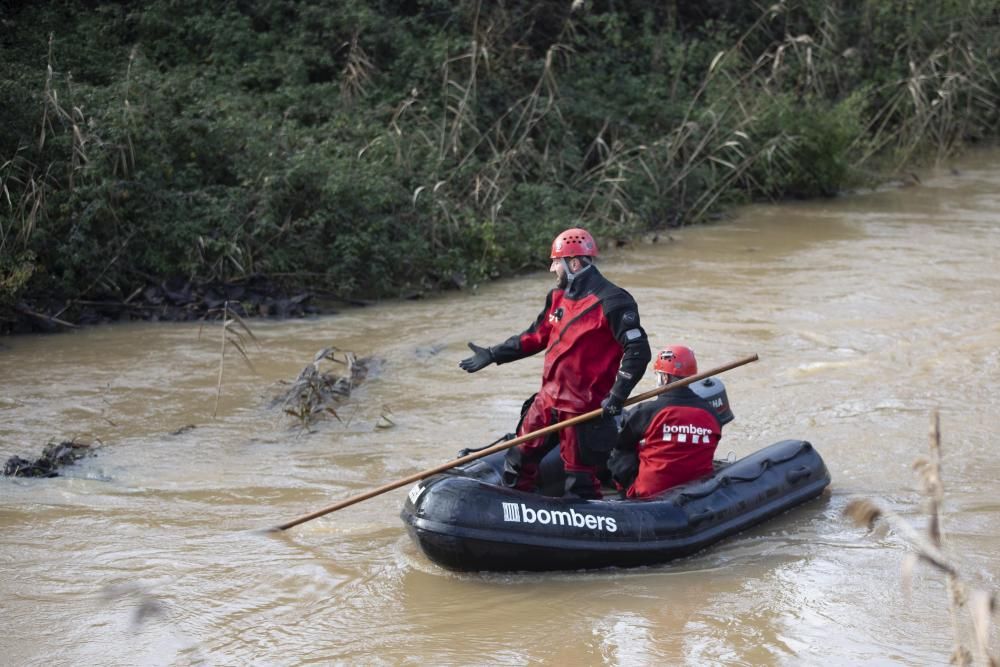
[
  {"x": 482, "y": 358},
  {"x": 612, "y": 405},
  {"x": 623, "y": 466}
]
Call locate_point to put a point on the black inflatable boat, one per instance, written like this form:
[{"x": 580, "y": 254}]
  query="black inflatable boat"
[{"x": 464, "y": 519}]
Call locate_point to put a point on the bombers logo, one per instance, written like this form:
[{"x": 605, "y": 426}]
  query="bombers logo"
[
  {"x": 521, "y": 513},
  {"x": 696, "y": 433}
]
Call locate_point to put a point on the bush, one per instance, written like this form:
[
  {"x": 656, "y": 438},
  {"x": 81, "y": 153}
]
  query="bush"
[
  {"x": 376, "y": 149},
  {"x": 820, "y": 140}
]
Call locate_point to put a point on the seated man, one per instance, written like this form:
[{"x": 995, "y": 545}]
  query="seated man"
[{"x": 670, "y": 440}]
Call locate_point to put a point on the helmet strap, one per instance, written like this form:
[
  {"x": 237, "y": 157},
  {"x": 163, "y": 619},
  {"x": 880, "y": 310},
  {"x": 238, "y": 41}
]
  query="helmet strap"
[
  {"x": 570, "y": 274},
  {"x": 663, "y": 379}
]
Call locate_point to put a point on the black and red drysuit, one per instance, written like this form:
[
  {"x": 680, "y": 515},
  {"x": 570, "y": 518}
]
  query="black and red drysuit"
[
  {"x": 668, "y": 441},
  {"x": 594, "y": 346}
]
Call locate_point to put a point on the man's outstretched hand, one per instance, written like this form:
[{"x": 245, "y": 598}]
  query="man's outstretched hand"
[{"x": 481, "y": 358}]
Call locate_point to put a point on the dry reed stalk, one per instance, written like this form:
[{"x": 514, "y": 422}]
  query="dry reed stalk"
[
  {"x": 17, "y": 173},
  {"x": 74, "y": 119},
  {"x": 929, "y": 548},
  {"x": 508, "y": 140},
  {"x": 357, "y": 72},
  {"x": 235, "y": 333},
  {"x": 126, "y": 153},
  {"x": 611, "y": 174},
  {"x": 509, "y": 145},
  {"x": 49, "y": 94},
  {"x": 716, "y": 139},
  {"x": 459, "y": 109},
  {"x": 31, "y": 206}
]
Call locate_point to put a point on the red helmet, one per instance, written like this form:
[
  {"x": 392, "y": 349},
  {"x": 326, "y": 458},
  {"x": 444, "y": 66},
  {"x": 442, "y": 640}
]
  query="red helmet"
[
  {"x": 676, "y": 360},
  {"x": 574, "y": 242}
]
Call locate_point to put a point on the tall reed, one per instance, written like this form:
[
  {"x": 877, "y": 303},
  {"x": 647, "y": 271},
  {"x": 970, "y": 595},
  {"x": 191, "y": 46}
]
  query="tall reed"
[{"x": 971, "y": 606}]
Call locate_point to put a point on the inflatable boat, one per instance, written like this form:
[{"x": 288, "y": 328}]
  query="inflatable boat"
[{"x": 464, "y": 519}]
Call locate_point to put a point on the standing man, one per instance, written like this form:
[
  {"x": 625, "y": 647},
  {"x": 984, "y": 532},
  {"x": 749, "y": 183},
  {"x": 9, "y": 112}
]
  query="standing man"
[
  {"x": 595, "y": 353},
  {"x": 668, "y": 441}
]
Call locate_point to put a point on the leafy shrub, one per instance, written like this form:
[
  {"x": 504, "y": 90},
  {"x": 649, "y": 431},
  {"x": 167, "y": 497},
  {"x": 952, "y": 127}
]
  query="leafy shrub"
[{"x": 372, "y": 148}]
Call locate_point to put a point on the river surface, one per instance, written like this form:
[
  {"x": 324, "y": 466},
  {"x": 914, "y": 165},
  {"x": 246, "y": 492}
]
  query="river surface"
[{"x": 868, "y": 312}]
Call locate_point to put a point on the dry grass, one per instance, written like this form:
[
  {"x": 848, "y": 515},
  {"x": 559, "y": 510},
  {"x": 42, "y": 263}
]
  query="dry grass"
[
  {"x": 717, "y": 147},
  {"x": 713, "y": 137},
  {"x": 26, "y": 185},
  {"x": 947, "y": 96},
  {"x": 474, "y": 161},
  {"x": 31, "y": 185},
  {"x": 971, "y": 608}
]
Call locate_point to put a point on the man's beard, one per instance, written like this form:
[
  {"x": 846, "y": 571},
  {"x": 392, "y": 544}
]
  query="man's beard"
[{"x": 562, "y": 280}]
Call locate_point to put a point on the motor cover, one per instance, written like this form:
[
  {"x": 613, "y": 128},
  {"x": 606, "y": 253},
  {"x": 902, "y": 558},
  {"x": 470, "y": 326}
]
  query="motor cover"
[{"x": 713, "y": 391}]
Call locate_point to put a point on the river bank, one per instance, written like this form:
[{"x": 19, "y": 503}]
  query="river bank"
[{"x": 170, "y": 301}]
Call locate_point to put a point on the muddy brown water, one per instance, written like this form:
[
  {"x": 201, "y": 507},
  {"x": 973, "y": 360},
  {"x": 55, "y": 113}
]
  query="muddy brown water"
[{"x": 868, "y": 312}]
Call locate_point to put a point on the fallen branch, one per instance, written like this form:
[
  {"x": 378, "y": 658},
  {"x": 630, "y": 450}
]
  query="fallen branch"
[{"x": 24, "y": 310}]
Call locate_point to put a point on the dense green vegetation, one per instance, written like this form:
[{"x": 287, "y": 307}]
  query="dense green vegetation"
[{"x": 369, "y": 148}]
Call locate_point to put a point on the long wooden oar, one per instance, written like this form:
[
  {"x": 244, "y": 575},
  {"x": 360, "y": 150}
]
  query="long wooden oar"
[{"x": 552, "y": 428}]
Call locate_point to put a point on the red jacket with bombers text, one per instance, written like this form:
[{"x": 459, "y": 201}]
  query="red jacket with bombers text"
[
  {"x": 593, "y": 344},
  {"x": 675, "y": 435}
]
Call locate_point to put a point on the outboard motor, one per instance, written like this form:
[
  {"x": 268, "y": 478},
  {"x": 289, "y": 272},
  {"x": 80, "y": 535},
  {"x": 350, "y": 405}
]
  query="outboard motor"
[{"x": 713, "y": 391}]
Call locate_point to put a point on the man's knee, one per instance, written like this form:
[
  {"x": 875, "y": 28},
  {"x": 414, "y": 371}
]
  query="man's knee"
[{"x": 583, "y": 484}]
